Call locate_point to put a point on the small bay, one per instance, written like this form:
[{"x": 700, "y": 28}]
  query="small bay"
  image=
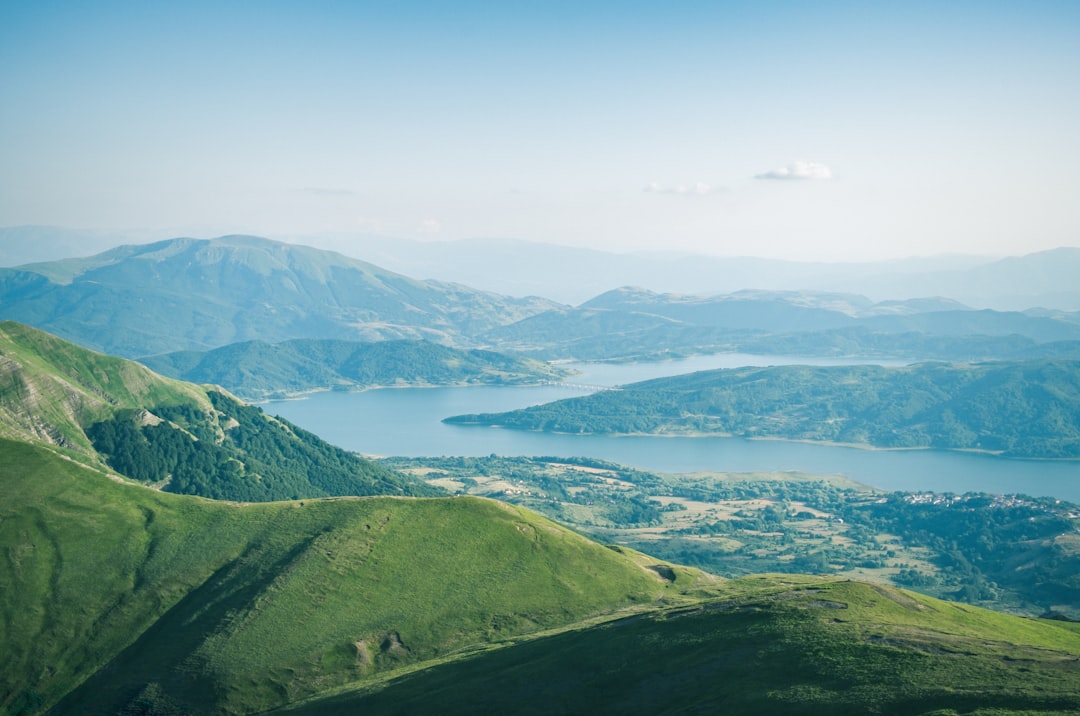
[{"x": 408, "y": 421}]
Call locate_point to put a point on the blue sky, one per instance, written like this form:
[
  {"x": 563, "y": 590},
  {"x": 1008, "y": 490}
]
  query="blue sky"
[{"x": 787, "y": 129}]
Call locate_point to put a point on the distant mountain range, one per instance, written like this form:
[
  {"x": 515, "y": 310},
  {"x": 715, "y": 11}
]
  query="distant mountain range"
[
  {"x": 572, "y": 275},
  {"x": 200, "y": 295},
  {"x": 637, "y": 324}
]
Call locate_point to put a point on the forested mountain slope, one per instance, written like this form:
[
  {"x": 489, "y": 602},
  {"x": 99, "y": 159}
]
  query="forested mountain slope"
[
  {"x": 1021, "y": 409},
  {"x": 179, "y": 436}
]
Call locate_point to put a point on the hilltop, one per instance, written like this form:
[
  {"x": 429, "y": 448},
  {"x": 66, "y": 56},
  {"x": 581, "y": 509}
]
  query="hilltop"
[{"x": 768, "y": 645}]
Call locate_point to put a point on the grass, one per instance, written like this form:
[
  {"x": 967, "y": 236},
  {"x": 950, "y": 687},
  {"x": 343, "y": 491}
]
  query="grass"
[
  {"x": 778, "y": 645},
  {"x": 113, "y": 595}
]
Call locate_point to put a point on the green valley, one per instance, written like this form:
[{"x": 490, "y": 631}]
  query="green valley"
[
  {"x": 1013, "y": 553},
  {"x": 118, "y": 599}
]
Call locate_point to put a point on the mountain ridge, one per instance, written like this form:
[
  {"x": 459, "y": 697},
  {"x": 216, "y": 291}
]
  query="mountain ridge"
[
  {"x": 571, "y": 275},
  {"x": 121, "y": 595},
  {"x": 194, "y": 294}
]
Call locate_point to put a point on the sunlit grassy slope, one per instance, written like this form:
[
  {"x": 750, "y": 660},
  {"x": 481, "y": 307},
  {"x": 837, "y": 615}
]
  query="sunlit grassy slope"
[
  {"x": 771, "y": 645},
  {"x": 50, "y": 388},
  {"x": 183, "y": 605}
]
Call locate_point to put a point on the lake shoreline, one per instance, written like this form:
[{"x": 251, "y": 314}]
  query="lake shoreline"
[{"x": 996, "y": 454}]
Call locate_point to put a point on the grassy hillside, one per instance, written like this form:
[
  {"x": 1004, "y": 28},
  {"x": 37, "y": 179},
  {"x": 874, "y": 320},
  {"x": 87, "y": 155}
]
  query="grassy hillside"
[
  {"x": 50, "y": 388},
  {"x": 181, "y": 437},
  {"x": 187, "y": 294},
  {"x": 115, "y": 595},
  {"x": 771, "y": 645},
  {"x": 258, "y": 370},
  {"x": 1020, "y": 409}
]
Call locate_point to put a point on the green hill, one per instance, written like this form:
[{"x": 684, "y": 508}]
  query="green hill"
[
  {"x": 197, "y": 295},
  {"x": 111, "y": 412},
  {"x": 117, "y": 597},
  {"x": 1019, "y": 409},
  {"x": 257, "y": 370},
  {"x": 771, "y": 645}
]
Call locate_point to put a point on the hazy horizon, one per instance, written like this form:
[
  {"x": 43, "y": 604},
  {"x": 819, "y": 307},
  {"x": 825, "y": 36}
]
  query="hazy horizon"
[{"x": 830, "y": 131}]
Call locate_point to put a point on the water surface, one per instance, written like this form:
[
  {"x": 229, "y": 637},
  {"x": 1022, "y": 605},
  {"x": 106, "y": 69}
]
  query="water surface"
[{"x": 408, "y": 421}]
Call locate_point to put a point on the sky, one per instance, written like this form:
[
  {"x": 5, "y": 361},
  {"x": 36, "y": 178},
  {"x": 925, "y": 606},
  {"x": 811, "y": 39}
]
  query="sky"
[{"x": 801, "y": 130}]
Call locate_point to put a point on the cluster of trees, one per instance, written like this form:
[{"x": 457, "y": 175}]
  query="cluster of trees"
[
  {"x": 238, "y": 453},
  {"x": 983, "y": 545}
]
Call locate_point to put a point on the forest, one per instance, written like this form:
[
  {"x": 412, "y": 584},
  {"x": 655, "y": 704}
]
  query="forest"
[{"x": 253, "y": 459}]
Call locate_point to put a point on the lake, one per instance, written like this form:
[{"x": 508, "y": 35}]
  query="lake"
[{"x": 407, "y": 421}]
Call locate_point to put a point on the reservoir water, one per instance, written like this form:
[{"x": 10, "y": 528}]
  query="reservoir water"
[{"x": 407, "y": 421}]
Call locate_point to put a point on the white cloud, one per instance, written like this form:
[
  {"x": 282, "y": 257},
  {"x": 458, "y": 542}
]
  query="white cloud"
[
  {"x": 798, "y": 170},
  {"x": 697, "y": 189},
  {"x": 429, "y": 226}
]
